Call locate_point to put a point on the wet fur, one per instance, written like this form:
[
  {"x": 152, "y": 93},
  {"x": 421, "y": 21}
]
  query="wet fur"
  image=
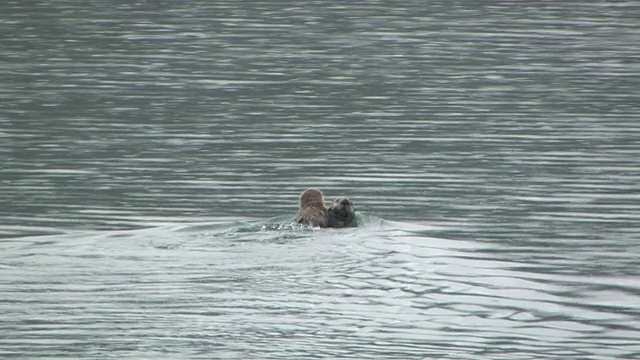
[
  {"x": 342, "y": 213},
  {"x": 312, "y": 210}
]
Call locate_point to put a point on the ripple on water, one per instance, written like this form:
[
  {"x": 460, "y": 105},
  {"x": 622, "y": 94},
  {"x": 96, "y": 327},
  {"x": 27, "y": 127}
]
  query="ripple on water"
[
  {"x": 511, "y": 127},
  {"x": 228, "y": 287}
]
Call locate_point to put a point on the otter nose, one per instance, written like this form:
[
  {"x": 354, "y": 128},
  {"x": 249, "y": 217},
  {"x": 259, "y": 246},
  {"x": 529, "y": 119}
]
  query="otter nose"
[{"x": 345, "y": 202}]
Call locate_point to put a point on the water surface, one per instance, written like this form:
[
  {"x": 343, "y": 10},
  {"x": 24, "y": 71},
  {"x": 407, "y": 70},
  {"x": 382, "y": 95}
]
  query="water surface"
[{"x": 152, "y": 155}]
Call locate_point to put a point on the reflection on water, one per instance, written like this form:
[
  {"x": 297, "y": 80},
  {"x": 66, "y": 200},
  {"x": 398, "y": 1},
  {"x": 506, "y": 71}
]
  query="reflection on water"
[{"x": 502, "y": 138}]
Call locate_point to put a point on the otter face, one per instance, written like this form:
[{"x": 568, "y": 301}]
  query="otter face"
[{"x": 341, "y": 212}]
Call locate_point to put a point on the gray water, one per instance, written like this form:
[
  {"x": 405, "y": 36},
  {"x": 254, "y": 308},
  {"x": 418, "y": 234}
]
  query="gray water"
[{"x": 152, "y": 153}]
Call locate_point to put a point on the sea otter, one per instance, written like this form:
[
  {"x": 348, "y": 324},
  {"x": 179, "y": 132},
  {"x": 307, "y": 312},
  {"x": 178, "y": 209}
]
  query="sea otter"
[
  {"x": 312, "y": 210},
  {"x": 342, "y": 213}
]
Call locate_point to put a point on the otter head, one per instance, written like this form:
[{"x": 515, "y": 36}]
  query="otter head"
[
  {"x": 342, "y": 212},
  {"x": 311, "y": 197}
]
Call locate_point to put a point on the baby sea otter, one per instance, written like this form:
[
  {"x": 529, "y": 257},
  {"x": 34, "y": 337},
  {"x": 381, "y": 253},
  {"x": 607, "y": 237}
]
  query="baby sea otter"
[{"x": 312, "y": 211}]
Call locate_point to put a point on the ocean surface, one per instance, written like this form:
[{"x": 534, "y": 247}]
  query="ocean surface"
[{"x": 152, "y": 154}]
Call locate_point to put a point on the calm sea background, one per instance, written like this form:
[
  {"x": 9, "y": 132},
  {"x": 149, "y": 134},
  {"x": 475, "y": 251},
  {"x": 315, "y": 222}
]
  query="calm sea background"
[{"x": 152, "y": 153}]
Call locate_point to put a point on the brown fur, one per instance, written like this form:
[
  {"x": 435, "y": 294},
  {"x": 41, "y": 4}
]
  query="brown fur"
[{"x": 312, "y": 210}]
